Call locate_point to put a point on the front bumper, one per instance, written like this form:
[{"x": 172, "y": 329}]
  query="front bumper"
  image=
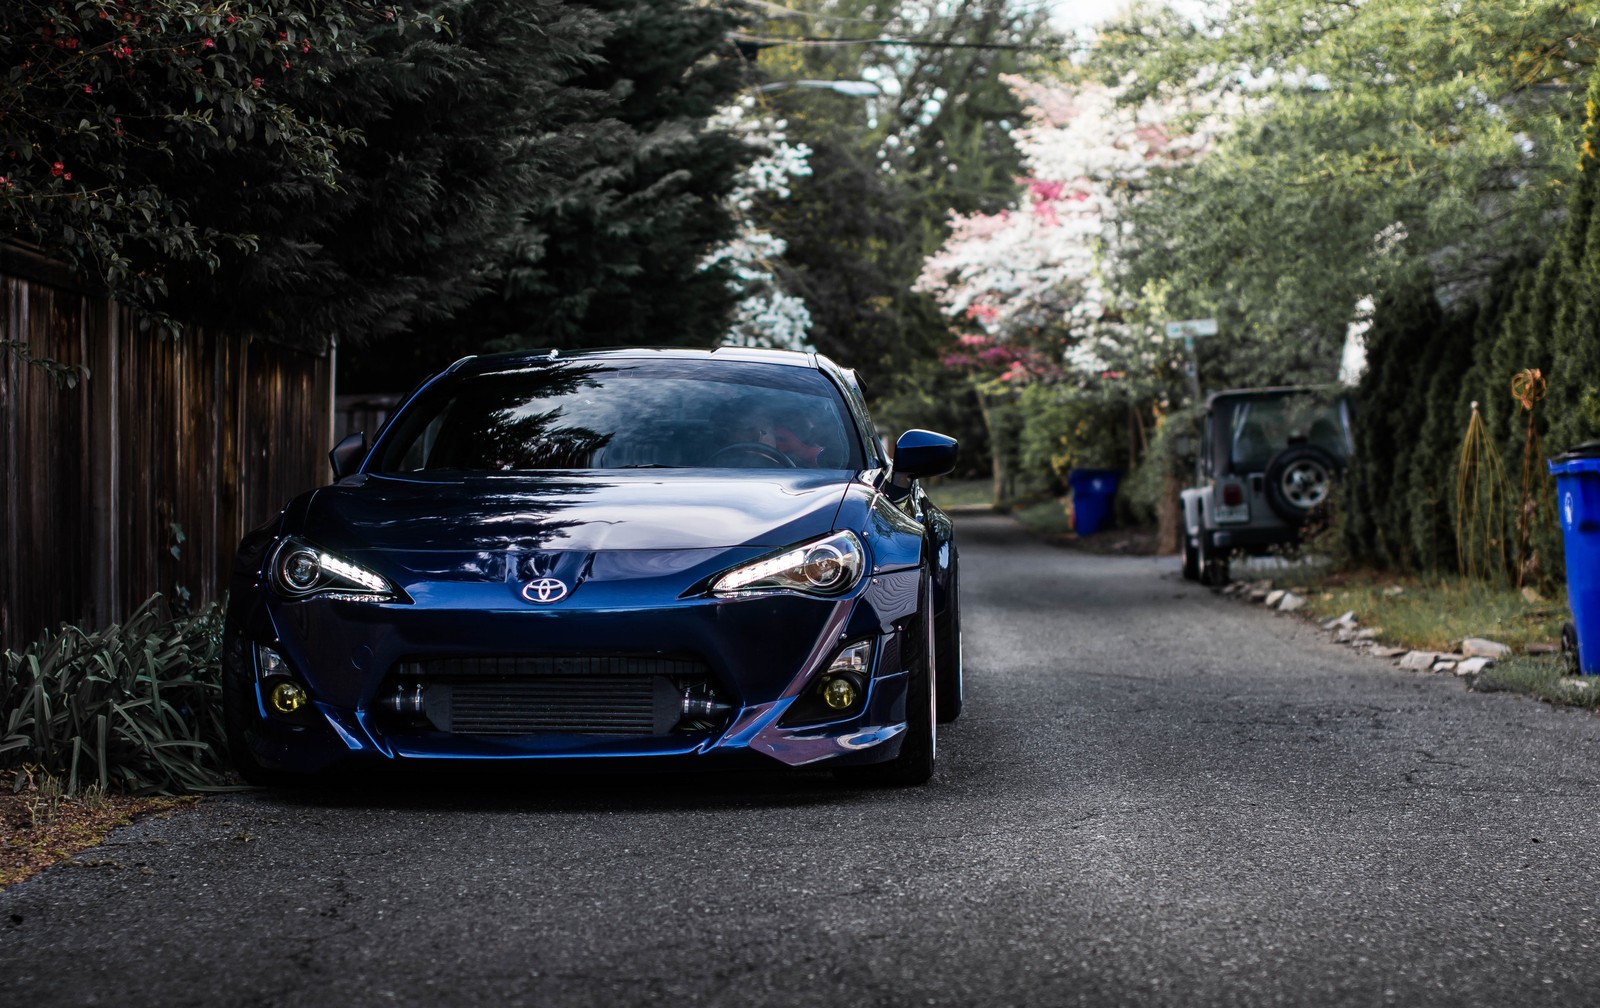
[{"x": 763, "y": 653}]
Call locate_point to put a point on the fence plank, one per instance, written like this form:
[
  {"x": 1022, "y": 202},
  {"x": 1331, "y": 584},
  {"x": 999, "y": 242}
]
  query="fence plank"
[{"x": 213, "y": 432}]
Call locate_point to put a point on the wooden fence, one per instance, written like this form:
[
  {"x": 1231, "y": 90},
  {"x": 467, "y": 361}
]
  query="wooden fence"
[{"x": 206, "y": 436}]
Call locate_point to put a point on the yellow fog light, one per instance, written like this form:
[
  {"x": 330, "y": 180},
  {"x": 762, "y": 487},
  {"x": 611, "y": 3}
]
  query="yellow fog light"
[
  {"x": 288, "y": 697},
  {"x": 839, "y": 693}
]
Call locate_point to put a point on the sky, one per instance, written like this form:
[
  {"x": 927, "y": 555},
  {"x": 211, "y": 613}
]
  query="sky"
[{"x": 1084, "y": 13}]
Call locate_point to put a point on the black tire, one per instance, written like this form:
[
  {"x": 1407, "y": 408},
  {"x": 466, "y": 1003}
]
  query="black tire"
[
  {"x": 236, "y": 715},
  {"x": 1299, "y": 480},
  {"x": 1191, "y": 558},
  {"x": 914, "y": 764},
  {"x": 947, "y": 652},
  {"x": 1214, "y": 566}
]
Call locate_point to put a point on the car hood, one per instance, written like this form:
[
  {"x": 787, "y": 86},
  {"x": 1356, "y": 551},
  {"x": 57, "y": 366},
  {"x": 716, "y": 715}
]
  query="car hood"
[{"x": 581, "y": 511}]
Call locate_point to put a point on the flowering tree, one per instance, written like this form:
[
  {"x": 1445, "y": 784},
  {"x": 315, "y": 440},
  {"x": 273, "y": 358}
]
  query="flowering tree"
[
  {"x": 109, "y": 104},
  {"x": 766, "y": 315},
  {"x": 1028, "y": 287},
  {"x": 1034, "y": 274}
]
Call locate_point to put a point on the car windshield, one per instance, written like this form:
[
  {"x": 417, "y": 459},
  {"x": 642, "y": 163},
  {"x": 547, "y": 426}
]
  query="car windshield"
[
  {"x": 1260, "y": 427},
  {"x": 624, "y": 414}
]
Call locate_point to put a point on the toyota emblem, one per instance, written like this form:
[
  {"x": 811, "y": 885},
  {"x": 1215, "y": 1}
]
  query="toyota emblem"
[{"x": 544, "y": 590}]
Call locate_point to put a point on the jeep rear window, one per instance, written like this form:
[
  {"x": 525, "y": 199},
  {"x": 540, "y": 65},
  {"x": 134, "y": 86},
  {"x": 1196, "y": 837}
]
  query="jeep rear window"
[{"x": 1260, "y": 428}]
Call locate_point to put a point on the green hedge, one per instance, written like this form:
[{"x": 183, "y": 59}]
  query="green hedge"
[
  {"x": 136, "y": 707},
  {"x": 1427, "y": 365}
]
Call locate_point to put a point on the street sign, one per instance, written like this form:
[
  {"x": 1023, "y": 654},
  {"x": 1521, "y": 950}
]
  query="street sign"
[{"x": 1190, "y": 328}]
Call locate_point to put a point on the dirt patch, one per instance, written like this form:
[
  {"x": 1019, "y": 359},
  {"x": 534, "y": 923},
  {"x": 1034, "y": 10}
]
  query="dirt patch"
[{"x": 40, "y": 827}]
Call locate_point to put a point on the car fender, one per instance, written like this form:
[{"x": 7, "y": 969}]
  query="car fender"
[{"x": 1193, "y": 510}]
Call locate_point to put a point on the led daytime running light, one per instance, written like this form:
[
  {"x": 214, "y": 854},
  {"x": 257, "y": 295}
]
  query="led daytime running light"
[
  {"x": 350, "y": 572},
  {"x": 301, "y": 570},
  {"x": 828, "y": 566}
]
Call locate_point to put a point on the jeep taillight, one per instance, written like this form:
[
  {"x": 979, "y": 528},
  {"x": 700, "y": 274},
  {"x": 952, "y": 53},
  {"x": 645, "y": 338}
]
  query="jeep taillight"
[{"x": 1232, "y": 494}]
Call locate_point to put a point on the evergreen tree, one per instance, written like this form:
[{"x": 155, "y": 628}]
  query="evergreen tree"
[
  {"x": 454, "y": 128},
  {"x": 1426, "y": 489},
  {"x": 617, "y": 256},
  {"x": 1574, "y": 402},
  {"x": 1388, "y": 408}
]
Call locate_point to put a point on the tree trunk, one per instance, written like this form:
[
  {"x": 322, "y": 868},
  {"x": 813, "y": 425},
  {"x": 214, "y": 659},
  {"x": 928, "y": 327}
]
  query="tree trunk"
[
  {"x": 997, "y": 455},
  {"x": 1169, "y": 516}
]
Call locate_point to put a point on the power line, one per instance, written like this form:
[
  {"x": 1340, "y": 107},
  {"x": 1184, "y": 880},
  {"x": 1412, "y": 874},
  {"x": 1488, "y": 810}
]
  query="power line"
[
  {"x": 779, "y": 8},
  {"x": 812, "y": 41}
]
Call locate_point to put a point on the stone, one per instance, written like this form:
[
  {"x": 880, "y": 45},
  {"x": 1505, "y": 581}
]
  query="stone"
[
  {"x": 1421, "y": 661},
  {"x": 1389, "y": 652},
  {"x": 1533, "y": 597},
  {"x": 1341, "y": 635},
  {"x": 1368, "y": 633},
  {"x": 1274, "y": 597},
  {"x": 1478, "y": 647},
  {"x": 1259, "y": 594},
  {"x": 1290, "y": 602},
  {"x": 1394, "y": 590},
  {"x": 1541, "y": 649},
  {"x": 1443, "y": 665},
  {"x": 1472, "y": 666},
  {"x": 1347, "y": 620}
]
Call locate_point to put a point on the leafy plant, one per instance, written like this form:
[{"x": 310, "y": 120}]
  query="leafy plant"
[{"x": 135, "y": 707}]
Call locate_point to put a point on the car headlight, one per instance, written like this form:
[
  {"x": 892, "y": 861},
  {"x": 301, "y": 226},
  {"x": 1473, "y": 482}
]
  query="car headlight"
[
  {"x": 831, "y": 565},
  {"x": 299, "y": 570}
]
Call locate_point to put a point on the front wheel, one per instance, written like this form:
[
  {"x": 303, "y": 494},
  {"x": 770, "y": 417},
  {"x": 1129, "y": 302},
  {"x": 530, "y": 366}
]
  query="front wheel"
[
  {"x": 914, "y": 764},
  {"x": 947, "y": 653},
  {"x": 237, "y": 704}
]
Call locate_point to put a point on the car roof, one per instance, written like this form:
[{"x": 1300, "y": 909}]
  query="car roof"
[
  {"x": 1274, "y": 390},
  {"x": 489, "y": 363}
]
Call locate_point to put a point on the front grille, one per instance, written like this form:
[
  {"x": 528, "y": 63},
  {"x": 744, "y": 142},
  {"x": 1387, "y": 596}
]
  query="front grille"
[
  {"x": 524, "y": 665},
  {"x": 624, "y": 705},
  {"x": 519, "y": 695}
]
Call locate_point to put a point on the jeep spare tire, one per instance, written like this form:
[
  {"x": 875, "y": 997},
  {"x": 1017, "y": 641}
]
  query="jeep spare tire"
[{"x": 1299, "y": 479}]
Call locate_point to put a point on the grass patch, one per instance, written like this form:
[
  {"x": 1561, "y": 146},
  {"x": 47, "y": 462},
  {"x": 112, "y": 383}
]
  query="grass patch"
[
  {"x": 949, "y": 493},
  {"x": 1544, "y": 678},
  {"x": 1437, "y": 614},
  {"x": 1433, "y": 615}
]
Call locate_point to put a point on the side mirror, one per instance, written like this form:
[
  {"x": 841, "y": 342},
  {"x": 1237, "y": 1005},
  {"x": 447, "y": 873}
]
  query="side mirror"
[
  {"x": 924, "y": 453},
  {"x": 347, "y": 454}
]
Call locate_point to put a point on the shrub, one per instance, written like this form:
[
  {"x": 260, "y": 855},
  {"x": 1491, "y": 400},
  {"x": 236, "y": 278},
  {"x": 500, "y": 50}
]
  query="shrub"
[{"x": 136, "y": 707}]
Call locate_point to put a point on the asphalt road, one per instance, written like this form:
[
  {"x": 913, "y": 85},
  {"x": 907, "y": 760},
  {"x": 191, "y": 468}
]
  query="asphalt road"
[{"x": 1156, "y": 796}]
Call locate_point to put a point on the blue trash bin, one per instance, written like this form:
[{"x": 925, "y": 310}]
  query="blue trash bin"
[
  {"x": 1577, "y": 476},
  {"x": 1093, "y": 491}
]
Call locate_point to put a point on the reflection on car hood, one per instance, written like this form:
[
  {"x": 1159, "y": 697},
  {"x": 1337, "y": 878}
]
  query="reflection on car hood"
[{"x": 589, "y": 511}]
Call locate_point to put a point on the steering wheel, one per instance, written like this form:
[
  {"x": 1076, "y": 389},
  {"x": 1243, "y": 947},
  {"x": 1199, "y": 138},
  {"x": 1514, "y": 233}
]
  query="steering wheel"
[{"x": 756, "y": 448}]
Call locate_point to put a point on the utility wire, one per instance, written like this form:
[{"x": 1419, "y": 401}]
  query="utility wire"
[
  {"x": 818, "y": 42},
  {"x": 780, "y": 9}
]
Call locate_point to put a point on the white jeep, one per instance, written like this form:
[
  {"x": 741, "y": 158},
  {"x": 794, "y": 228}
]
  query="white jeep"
[{"x": 1269, "y": 458}]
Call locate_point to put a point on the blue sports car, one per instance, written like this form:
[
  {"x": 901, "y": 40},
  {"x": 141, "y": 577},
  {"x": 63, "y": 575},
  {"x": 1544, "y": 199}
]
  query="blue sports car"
[{"x": 668, "y": 558}]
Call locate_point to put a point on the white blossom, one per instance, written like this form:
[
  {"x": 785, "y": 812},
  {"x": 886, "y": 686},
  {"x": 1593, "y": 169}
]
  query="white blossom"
[{"x": 766, "y": 316}]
